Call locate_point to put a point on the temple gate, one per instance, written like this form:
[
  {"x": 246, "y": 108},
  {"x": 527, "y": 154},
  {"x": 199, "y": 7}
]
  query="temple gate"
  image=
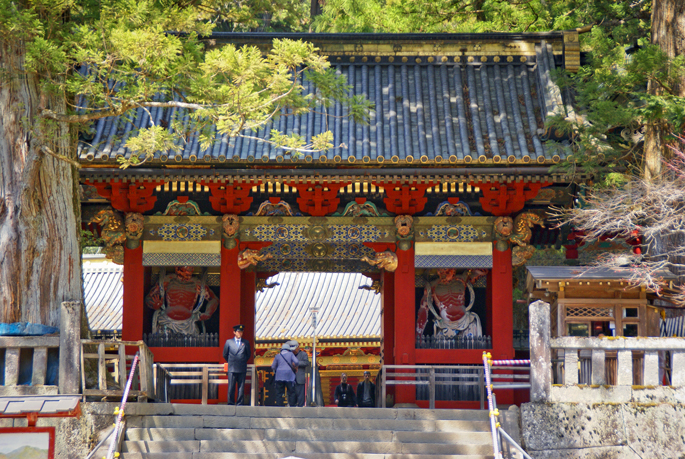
[{"x": 435, "y": 201}]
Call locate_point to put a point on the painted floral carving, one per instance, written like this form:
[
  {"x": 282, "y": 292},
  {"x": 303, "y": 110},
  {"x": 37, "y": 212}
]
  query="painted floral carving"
[
  {"x": 361, "y": 209},
  {"x": 272, "y": 209},
  {"x": 384, "y": 260},
  {"x": 449, "y": 209},
  {"x": 251, "y": 257},
  {"x": 182, "y": 207}
]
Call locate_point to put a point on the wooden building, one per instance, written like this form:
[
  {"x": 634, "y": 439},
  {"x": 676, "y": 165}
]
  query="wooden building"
[
  {"x": 588, "y": 301},
  {"x": 433, "y": 200}
]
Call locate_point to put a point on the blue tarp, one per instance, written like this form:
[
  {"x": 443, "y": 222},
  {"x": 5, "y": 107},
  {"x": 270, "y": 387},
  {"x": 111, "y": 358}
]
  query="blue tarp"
[{"x": 26, "y": 329}]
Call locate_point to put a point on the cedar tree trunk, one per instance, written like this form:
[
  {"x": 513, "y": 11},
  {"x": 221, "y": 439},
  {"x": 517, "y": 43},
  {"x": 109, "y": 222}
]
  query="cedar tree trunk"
[
  {"x": 40, "y": 259},
  {"x": 668, "y": 31}
]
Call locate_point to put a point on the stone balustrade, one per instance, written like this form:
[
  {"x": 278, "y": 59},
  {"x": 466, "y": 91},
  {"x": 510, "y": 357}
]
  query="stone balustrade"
[{"x": 622, "y": 389}]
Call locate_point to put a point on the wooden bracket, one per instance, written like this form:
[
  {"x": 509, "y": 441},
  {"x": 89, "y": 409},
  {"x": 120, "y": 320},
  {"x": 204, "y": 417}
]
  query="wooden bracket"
[
  {"x": 502, "y": 199},
  {"x": 317, "y": 199},
  {"x": 128, "y": 196},
  {"x": 230, "y": 199},
  {"x": 405, "y": 199}
]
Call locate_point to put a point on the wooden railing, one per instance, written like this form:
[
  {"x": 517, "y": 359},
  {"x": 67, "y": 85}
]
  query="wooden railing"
[
  {"x": 205, "y": 374},
  {"x": 434, "y": 376},
  {"x": 112, "y": 369},
  {"x": 13, "y": 347}
]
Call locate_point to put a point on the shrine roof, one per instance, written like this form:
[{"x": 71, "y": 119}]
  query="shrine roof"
[
  {"x": 588, "y": 273},
  {"x": 283, "y": 312},
  {"x": 440, "y": 100},
  {"x": 103, "y": 289}
]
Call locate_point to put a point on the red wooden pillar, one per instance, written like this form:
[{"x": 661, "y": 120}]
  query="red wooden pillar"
[
  {"x": 247, "y": 307},
  {"x": 405, "y": 320},
  {"x": 388, "y": 318},
  {"x": 501, "y": 313},
  {"x": 134, "y": 295},
  {"x": 229, "y": 303},
  {"x": 388, "y": 323}
]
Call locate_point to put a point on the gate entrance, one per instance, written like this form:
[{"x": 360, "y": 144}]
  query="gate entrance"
[{"x": 348, "y": 329}]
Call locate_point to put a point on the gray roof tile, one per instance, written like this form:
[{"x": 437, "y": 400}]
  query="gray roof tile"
[{"x": 470, "y": 112}]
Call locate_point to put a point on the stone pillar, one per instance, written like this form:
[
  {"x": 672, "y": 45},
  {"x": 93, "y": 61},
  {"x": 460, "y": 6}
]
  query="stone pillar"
[
  {"x": 678, "y": 366},
  {"x": 570, "y": 367},
  {"x": 598, "y": 367},
  {"x": 70, "y": 348},
  {"x": 134, "y": 295},
  {"x": 624, "y": 376},
  {"x": 651, "y": 368},
  {"x": 540, "y": 352},
  {"x": 405, "y": 320}
]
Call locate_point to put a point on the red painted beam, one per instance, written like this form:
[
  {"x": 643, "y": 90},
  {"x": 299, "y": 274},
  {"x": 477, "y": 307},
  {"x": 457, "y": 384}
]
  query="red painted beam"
[
  {"x": 405, "y": 198},
  {"x": 230, "y": 198},
  {"x": 128, "y": 196},
  {"x": 318, "y": 199},
  {"x": 507, "y": 198}
]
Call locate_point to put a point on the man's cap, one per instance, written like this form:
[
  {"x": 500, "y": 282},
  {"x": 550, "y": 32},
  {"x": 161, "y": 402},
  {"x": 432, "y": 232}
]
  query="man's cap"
[
  {"x": 238, "y": 327},
  {"x": 293, "y": 344},
  {"x": 286, "y": 346}
]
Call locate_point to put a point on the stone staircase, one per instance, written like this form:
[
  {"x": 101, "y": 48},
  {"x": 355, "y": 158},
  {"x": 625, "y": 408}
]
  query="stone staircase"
[{"x": 227, "y": 432}]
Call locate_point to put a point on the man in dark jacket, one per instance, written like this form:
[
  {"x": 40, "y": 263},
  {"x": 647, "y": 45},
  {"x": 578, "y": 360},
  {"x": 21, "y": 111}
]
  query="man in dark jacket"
[
  {"x": 344, "y": 393},
  {"x": 298, "y": 398},
  {"x": 237, "y": 353},
  {"x": 366, "y": 392}
]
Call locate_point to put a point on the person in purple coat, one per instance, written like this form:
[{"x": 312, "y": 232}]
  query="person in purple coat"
[{"x": 284, "y": 367}]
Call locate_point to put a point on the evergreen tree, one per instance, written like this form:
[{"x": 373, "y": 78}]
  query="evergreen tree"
[{"x": 65, "y": 64}]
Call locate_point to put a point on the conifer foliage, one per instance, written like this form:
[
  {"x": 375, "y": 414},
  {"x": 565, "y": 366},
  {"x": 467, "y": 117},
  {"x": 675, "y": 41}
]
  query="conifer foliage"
[{"x": 65, "y": 64}]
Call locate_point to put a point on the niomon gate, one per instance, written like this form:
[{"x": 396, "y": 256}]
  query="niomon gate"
[{"x": 435, "y": 200}]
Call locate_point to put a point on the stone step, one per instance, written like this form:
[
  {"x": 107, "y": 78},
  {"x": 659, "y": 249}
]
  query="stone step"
[
  {"x": 181, "y": 409},
  {"x": 299, "y": 455},
  {"x": 181, "y": 434},
  {"x": 307, "y": 447},
  {"x": 235, "y": 422}
]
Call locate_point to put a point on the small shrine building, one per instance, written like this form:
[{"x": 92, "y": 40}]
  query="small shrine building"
[{"x": 434, "y": 200}]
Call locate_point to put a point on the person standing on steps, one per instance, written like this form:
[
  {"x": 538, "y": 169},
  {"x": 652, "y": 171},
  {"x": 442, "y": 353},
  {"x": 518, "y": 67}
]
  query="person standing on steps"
[
  {"x": 366, "y": 392},
  {"x": 344, "y": 394},
  {"x": 298, "y": 398},
  {"x": 284, "y": 367},
  {"x": 237, "y": 353}
]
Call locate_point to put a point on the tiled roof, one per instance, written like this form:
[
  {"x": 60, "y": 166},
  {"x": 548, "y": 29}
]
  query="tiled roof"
[
  {"x": 344, "y": 309},
  {"x": 103, "y": 291},
  {"x": 281, "y": 312},
  {"x": 428, "y": 110},
  {"x": 588, "y": 273}
]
